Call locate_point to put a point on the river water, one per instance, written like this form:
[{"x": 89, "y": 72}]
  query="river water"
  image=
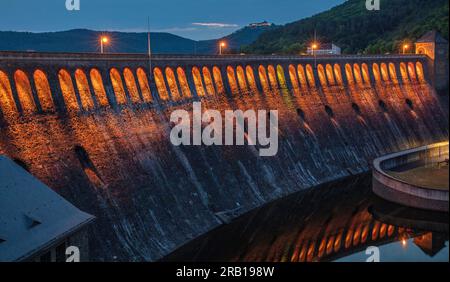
[{"x": 340, "y": 221}]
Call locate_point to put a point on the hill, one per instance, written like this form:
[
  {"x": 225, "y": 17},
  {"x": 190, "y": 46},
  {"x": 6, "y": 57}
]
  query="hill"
[
  {"x": 357, "y": 30},
  {"x": 83, "y": 40},
  {"x": 235, "y": 41}
]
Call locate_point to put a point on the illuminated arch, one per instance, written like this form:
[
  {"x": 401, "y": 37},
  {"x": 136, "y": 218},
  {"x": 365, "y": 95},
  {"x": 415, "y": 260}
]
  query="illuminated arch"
[
  {"x": 172, "y": 83},
  {"x": 293, "y": 76},
  {"x": 281, "y": 77},
  {"x": 160, "y": 84},
  {"x": 183, "y": 82},
  {"x": 198, "y": 82},
  {"x": 338, "y": 74},
  {"x": 242, "y": 81},
  {"x": 420, "y": 73},
  {"x": 24, "y": 92},
  {"x": 130, "y": 82},
  {"x": 365, "y": 233},
  {"x": 83, "y": 89},
  {"x": 338, "y": 242},
  {"x": 349, "y": 74},
  {"x": 43, "y": 91},
  {"x": 330, "y": 76},
  {"x": 67, "y": 90},
  {"x": 218, "y": 80},
  {"x": 208, "y": 81},
  {"x": 322, "y": 247},
  {"x": 144, "y": 86},
  {"x": 384, "y": 72},
  {"x": 365, "y": 74},
  {"x": 251, "y": 78},
  {"x": 357, "y": 74},
  {"x": 412, "y": 71},
  {"x": 264, "y": 79},
  {"x": 232, "y": 80},
  {"x": 99, "y": 88},
  {"x": 393, "y": 73},
  {"x": 376, "y": 72},
  {"x": 302, "y": 76},
  {"x": 117, "y": 84},
  {"x": 404, "y": 72},
  {"x": 310, "y": 76},
  {"x": 330, "y": 245},
  {"x": 272, "y": 77},
  {"x": 383, "y": 230},
  {"x": 348, "y": 238},
  {"x": 322, "y": 77},
  {"x": 7, "y": 104},
  {"x": 310, "y": 253}
]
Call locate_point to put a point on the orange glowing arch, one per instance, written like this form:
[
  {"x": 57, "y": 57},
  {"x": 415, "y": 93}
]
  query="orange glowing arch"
[
  {"x": 232, "y": 80},
  {"x": 160, "y": 84},
  {"x": 144, "y": 86},
  {"x": 208, "y": 81},
  {"x": 43, "y": 91},
  {"x": 117, "y": 84},
  {"x": 172, "y": 82},
  {"x": 7, "y": 104},
  {"x": 99, "y": 88},
  {"x": 130, "y": 82},
  {"x": 218, "y": 80},
  {"x": 263, "y": 78},
  {"x": 185, "y": 90},
  {"x": 198, "y": 82},
  {"x": 24, "y": 92},
  {"x": 83, "y": 89}
]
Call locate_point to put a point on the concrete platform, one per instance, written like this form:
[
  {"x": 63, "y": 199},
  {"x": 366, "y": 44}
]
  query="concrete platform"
[{"x": 416, "y": 178}]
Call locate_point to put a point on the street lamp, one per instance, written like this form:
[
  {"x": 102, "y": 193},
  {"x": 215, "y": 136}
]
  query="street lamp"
[
  {"x": 221, "y": 46},
  {"x": 314, "y": 46},
  {"x": 405, "y": 47},
  {"x": 103, "y": 40}
]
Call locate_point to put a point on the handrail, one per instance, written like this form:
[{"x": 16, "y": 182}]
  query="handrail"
[{"x": 137, "y": 56}]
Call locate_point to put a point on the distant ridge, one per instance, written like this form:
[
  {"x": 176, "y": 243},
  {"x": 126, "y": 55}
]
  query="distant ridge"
[{"x": 84, "y": 40}]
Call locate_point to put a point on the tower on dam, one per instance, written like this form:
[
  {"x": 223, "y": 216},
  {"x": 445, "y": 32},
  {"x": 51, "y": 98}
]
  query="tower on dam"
[{"x": 435, "y": 47}]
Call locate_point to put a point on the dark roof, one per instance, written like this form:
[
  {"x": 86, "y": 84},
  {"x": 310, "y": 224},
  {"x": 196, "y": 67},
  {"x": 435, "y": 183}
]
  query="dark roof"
[
  {"x": 432, "y": 36},
  {"x": 32, "y": 216}
]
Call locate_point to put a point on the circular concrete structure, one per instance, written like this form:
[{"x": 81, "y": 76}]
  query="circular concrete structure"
[{"x": 407, "y": 190}]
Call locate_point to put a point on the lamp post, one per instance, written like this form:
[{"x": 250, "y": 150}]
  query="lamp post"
[
  {"x": 221, "y": 46},
  {"x": 103, "y": 40},
  {"x": 314, "y": 47}
]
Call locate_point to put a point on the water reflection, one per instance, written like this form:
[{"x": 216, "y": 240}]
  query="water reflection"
[{"x": 334, "y": 222}]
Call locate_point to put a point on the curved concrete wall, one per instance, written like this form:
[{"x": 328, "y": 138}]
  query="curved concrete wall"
[
  {"x": 101, "y": 138},
  {"x": 396, "y": 190}
]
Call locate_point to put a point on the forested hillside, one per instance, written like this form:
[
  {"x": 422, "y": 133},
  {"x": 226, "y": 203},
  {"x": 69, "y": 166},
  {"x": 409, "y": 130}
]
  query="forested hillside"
[{"x": 357, "y": 30}]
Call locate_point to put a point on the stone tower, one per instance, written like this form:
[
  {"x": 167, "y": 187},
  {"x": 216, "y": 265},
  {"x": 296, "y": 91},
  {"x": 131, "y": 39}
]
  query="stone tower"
[{"x": 435, "y": 47}]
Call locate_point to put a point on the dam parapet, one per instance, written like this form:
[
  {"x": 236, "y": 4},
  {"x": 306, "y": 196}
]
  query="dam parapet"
[{"x": 96, "y": 129}]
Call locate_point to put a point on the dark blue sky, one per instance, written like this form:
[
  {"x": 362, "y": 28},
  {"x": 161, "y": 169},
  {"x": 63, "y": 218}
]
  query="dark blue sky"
[{"x": 196, "y": 19}]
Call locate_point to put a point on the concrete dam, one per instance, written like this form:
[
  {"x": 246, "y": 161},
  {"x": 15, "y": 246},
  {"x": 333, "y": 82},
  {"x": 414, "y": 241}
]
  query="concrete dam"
[{"x": 95, "y": 128}]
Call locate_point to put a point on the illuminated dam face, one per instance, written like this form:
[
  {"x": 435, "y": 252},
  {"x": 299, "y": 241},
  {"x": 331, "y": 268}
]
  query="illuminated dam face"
[{"x": 96, "y": 129}]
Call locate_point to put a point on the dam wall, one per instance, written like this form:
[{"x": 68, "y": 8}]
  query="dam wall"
[{"x": 95, "y": 128}]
